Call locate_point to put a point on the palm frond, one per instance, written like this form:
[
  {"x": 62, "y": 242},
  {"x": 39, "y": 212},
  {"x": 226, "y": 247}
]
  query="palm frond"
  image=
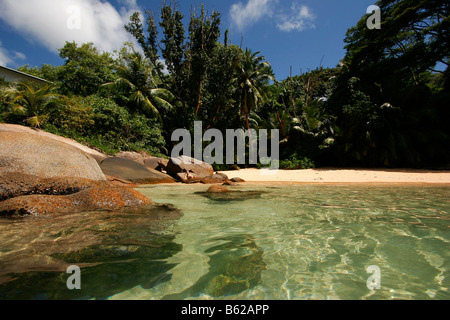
[
  {"x": 162, "y": 103},
  {"x": 37, "y": 121},
  {"x": 18, "y": 109},
  {"x": 136, "y": 81},
  {"x": 163, "y": 94}
]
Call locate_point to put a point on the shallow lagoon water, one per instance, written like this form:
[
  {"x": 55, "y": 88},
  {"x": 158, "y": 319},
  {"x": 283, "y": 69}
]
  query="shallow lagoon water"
[{"x": 289, "y": 242}]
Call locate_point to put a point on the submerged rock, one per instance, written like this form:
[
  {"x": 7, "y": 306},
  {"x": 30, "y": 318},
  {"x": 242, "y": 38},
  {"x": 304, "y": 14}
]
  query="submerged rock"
[
  {"x": 221, "y": 193},
  {"x": 134, "y": 172},
  {"x": 95, "y": 198},
  {"x": 234, "y": 266},
  {"x": 116, "y": 250},
  {"x": 230, "y": 183},
  {"x": 214, "y": 179},
  {"x": 233, "y": 195},
  {"x": 218, "y": 189}
]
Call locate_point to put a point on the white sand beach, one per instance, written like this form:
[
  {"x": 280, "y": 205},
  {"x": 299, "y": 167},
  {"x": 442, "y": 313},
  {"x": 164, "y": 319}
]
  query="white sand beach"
[{"x": 332, "y": 175}]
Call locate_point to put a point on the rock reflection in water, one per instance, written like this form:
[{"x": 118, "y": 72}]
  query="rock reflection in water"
[
  {"x": 232, "y": 195},
  {"x": 235, "y": 266},
  {"x": 116, "y": 251}
]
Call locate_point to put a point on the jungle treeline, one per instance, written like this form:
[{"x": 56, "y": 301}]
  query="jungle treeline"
[{"x": 386, "y": 104}]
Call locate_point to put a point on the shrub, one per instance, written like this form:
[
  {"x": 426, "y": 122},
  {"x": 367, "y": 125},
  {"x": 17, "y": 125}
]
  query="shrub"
[
  {"x": 3, "y": 100},
  {"x": 297, "y": 163},
  {"x": 101, "y": 123}
]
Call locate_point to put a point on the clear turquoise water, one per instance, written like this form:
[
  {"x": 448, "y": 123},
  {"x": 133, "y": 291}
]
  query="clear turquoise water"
[{"x": 291, "y": 242}]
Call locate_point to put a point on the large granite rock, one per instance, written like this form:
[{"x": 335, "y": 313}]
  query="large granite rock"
[
  {"x": 184, "y": 164},
  {"x": 39, "y": 174},
  {"x": 92, "y": 199},
  {"x": 158, "y": 164},
  {"x": 45, "y": 157},
  {"x": 133, "y": 156},
  {"x": 96, "y": 154},
  {"x": 120, "y": 182},
  {"x": 132, "y": 171},
  {"x": 16, "y": 184}
]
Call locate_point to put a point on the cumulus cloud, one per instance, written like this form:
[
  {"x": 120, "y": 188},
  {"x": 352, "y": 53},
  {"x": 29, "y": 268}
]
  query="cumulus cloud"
[
  {"x": 297, "y": 18},
  {"x": 165, "y": 69},
  {"x": 9, "y": 58},
  {"x": 250, "y": 13},
  {"x": 52, "y": 23},
  {"x": 300, "y": 18},
  {"x": 4, "y": 56}
]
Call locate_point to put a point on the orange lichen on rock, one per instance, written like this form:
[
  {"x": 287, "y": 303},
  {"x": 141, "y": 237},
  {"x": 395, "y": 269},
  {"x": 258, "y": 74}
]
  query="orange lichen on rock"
[
  {"x": 92, "y": 199},
  {"x": 104, "y": 198},
  {"x": 16, "y": 184}
]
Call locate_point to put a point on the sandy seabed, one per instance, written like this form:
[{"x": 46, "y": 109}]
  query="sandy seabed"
[{"x": 331, "y": 175}]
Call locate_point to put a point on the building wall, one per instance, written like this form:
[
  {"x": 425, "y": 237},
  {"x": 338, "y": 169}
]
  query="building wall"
[{"x": 12, "y": 76}]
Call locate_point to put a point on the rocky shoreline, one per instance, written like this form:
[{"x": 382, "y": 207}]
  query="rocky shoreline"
[{"x": 43, "y": 174}]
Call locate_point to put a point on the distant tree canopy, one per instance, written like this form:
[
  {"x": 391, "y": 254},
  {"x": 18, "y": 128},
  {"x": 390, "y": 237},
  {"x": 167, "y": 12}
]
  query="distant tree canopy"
[
  {"x": 85, "y": 69},
  {"x": 202, "y": 72},
  {"x": 414, "y": 37},
  {"x": 389, "y": 109}
]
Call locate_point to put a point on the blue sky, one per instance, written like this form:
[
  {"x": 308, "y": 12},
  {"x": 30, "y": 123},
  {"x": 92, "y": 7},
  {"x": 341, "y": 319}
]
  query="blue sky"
[{"x": 297, "y": 33}]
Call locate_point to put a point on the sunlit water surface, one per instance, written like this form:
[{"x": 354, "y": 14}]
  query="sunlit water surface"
[{"x": 281, "y": 242}]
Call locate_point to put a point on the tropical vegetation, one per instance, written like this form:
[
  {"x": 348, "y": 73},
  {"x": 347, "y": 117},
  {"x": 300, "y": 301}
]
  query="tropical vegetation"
[{"x": 385, "y": 104}]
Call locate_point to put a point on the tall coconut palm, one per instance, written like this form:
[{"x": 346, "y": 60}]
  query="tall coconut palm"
[
  {"x": 35, "y": 104},
  {"x": 252, "y": 76},
  {"x": 137, "y": 82}
]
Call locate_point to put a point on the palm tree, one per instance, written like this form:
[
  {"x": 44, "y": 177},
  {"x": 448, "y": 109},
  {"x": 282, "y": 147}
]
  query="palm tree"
[
  {"x": 4, "y": 100},
  {"x": 252, "y": 76},
  {"x": 280, "y": 119},
  {"x": 35, "y": 104},
  {"x": 136, "y": 80}
]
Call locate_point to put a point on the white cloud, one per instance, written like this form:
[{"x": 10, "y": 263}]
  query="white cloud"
[
  {"x": 300, "y": 18},
  {"x": 9, "y": 58},
  {"x": 165, "y": 69},
  {"x": 129, "y": 3},
  {"x": 5, "y": 59},
  {"x": 52, "y": 23},
  {"x": 243, "y": 16},
  {"x": 20, "y": 55}
]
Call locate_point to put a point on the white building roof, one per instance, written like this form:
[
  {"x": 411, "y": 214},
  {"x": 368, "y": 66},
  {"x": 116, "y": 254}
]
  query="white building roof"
[{"x": 13, "y": 75}]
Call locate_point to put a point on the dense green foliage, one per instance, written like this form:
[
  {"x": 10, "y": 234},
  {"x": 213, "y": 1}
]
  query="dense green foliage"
[
  {"x": 136, "y": 82},
  {"x": 4, "y": 100},
  {"x": 384, "y": 105},
  {"x": 389, "y": 105},
  {"x": 101, "y": 123},
  {"x": 85, "y": 69},
  {"x": 30, "y": 104}
]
